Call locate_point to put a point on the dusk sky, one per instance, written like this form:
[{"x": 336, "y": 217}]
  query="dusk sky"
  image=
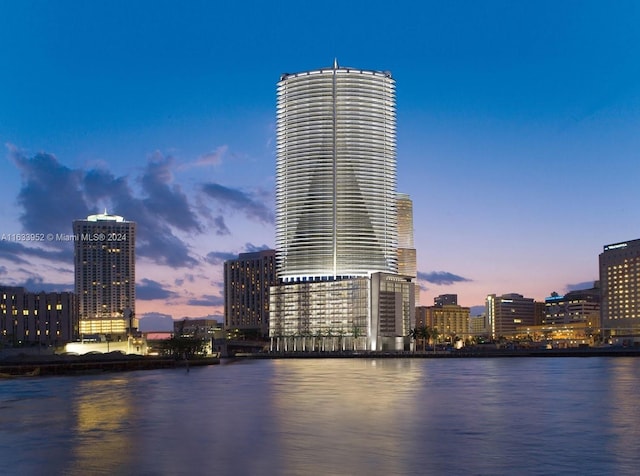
[{"x": 518, "y": 134}]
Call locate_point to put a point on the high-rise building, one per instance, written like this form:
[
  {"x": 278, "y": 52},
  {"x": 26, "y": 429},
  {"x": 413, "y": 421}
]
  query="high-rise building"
[
  {"x": 445, "y": 300},
  {"x": 246, "y": 293},
  {"x": 105, "y": 274},
  {"x": 620, "y": 288},
  {"x": 508, "y": 312},
  {"x": 336, "y": 210},
  {"x": 407, "y": 258}
]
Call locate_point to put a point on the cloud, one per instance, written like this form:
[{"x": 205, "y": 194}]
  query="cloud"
[
  {"x": 15, "y": 252},
  {"x": 207, "y": 300},
  {"x": 3, "y": 270},
  {"x": 580, "y": 286},
  {"x": 251, "y": 248},
  {"x": 221, "y": 226},
  {"x": 148, "y": 290},
  {"x": 211, "y": 158},
  {"x": 36, "y": 285},
  {"x": 164, "y": 199},
  {"x": 51, "y": 194},
  {"x": 156, "y": 322},
  {"x": 219, "y": 257},
  {"x": 442, "y": 278},
  {"x": 155, "y": 239},
  {"x": 238, "y": 200}
]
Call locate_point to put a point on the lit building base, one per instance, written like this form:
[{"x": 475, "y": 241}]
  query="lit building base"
[
  {"x": 107, "y": 326},
  {"x": 362, "y": 313}
]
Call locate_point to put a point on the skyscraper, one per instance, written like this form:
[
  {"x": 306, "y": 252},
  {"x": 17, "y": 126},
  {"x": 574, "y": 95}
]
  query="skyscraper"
[
  {"x": 620, "y": 288},
  {"x": 407, "y": 258},
  {"x": 336, "y": 210},
  {"x": 336, "y": 174},
  {"x": 246, "y": 292},
  {"x": 105, "y": 274}
]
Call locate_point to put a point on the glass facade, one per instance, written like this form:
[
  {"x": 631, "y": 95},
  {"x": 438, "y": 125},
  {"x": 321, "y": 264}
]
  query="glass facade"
[
  {"x": 336, "y": 174},
  {"x": 104, "y": 253}
]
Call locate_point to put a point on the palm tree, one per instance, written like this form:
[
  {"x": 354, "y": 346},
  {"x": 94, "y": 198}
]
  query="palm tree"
[
  {"x": 356, "y": 335},
  {"x": 413, "y": 334},
  {"x": 434, "y": 336},
  {"x": 424, "y": 334}
]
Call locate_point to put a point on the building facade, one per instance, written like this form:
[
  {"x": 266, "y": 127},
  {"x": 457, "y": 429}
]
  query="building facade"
[
  {"x": 337, "y": 211},
  {"x": 407, "y": 256},
  {"x": 367, "y": 313},
  {"x": 246, "y": 293},
  {"x": 508, "y": 312},
  {"x": 578, "y": 306},
  {"x": 105, "y": 274},
  {"x": 447, "y": 317},
  {"x": 45, "y": 319},
  {"x": 620, "y": 290},
  {"x": 336, "y": 214}
]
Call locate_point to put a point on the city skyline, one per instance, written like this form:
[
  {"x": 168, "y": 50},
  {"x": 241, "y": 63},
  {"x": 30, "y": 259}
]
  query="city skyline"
[{"x": 517, "y": 136}]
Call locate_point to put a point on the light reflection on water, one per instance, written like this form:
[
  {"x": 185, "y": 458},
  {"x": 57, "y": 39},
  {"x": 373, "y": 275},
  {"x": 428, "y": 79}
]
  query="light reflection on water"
[{"x": 352, "y": 416}]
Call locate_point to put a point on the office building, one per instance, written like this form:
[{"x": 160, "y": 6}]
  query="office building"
[
  {"x": 620, "y": 288},
  {"x": 246, "y": 293},
  {"x": 447, "y": 317},
  {"x": 407, "y": 257},
  {"x": 508, "y": 312},
  {"x": 105, "y": 275},
  {"x": 583, "y": 305},
  {"x": 44, "y": 319},
  {"x": 555, "y": 309},
  {"x": 337, "y": 210},
  {"x": 445, "y": 300},
  {"x": 577, "y": 306}
]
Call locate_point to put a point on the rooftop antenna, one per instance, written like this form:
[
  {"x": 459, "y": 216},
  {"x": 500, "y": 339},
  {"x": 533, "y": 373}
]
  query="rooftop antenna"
[{"x": 335, "y": 63}]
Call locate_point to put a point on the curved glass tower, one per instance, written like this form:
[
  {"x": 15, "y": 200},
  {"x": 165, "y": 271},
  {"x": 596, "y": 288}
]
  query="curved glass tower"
[{"x": 336, "y": 213}]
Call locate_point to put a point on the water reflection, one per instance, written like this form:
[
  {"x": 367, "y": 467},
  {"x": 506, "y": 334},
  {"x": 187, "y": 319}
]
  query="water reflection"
[
  {"x": 352, "y": 416},
  {"x": 103, "y": 423},
  {"x": 337, "y": 417},
  {"x": 622, "y": 405}
]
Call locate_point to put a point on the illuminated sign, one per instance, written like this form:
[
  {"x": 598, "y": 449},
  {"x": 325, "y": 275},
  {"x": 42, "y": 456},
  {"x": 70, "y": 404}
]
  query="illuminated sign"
[{"x": 615, "y": 247}]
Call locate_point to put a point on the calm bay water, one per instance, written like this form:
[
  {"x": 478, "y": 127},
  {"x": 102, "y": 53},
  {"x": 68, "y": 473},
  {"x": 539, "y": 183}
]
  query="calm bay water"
[{"x": 351, "y": 416}]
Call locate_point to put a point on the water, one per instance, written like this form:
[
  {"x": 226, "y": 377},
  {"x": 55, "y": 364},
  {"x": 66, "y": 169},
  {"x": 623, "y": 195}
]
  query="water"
[{"x": 338, "y": 417}]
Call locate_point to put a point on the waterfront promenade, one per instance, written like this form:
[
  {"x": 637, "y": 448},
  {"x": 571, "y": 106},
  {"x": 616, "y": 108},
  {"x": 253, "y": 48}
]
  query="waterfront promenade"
[{"x": 470, "y": 352}]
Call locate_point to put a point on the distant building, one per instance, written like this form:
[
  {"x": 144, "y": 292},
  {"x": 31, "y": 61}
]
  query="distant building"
[
  {"x": 583, "y": 305},
  {"x": 421, "y": 316},
  {"x": 620, "y": 287},
  {"x": 576, "y": 306},
  {"x": 447, "y": 317},
  {"x": 105, "y": 275},
  {"x": 445, "y": 300},
  {"x": 45, "y": 319},
  {"x": 478, "y": 326},
  {"x": 199, "y": 327},
  {"x": 555, "y": 309},
  {"x": 407, "y": 257},
  {"x": 246, "y": 292},
  {"x": 507, "y": 312}
]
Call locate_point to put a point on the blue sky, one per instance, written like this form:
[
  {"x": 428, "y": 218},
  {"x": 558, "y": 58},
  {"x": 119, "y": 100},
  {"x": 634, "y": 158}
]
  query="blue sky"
[{"x": 518, "y": 133}]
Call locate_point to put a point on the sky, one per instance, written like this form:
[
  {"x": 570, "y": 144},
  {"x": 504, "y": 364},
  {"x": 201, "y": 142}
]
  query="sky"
[{"x": 518, "y": 129}]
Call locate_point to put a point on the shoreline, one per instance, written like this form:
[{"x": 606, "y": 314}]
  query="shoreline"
[
  {"x": 32, "y": 366},
  {"x": 453, "y": 354}
]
